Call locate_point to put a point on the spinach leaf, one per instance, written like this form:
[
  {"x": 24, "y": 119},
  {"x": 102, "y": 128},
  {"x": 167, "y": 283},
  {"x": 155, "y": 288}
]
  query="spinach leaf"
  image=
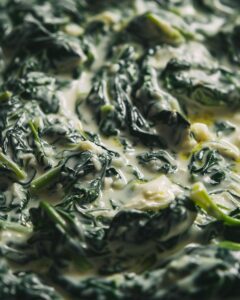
[
  {"x": 158, "y": 161},
  {"x": 23, "y": 285},
  {"x": 208, "y": 163},
  {"x": 152, "y": 29},
  {"x": 160, "y": 107},
  {"x": 135, "y": 226},
  {"x": 226, "y": 42},
  {"x": 14, "y": 207},
  {"x": 63, "y": 52},
  {"x": 207, "y": 87},
  {"x": 111, "y": 101},
  {"x": 74, "y": 166},
  {"x": 200, "y": 196},
  {"x": 39, "y": 87},
  {"x": 219, "y": 6},
  {"x": 209, "y": 270},
  {"x": 224, "y": 128}
]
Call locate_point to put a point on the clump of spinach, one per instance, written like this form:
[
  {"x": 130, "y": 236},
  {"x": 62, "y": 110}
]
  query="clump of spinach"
[
  {"x": 39, "y": 87},
  {"x": 57, "y": 132},
  {"x": 23, "y": 285},
  {"x": 226, "y": 42},
  {"x": 75, "y": 165},
  {"x": 212, "y": 272},
  {"x": 208, "y": 87},
  {"x": 135, "y": 226},
  {"x": 224, "y": 128},
  {"x": 159, "y": 106},
  {"x": 158, "y": 161},
  {"x": 110, "y": 99},
  {"x": 62, "y": 51},
  {"x": 73, "y": 235},
  {"x": 152, "y": 29},
  {"x": 209, "y": 164}
]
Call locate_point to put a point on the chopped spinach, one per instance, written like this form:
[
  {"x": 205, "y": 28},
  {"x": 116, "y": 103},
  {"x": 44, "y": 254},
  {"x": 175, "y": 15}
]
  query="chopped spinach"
[
  {"x": 210, "y": 163},
  {"x": 119, "y": 149},
  {"x": 208, "y": 87},
  {"x": 24, "y": 285},
  {"x": 158, "y": 161}
]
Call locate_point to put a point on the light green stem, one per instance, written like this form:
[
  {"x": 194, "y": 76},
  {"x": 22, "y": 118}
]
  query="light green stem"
[
  {"x": 53, "y": 214},
  {"x": 201, "y": 197},
  {"x": 12, "y": 166},
  {"x": 6, "y": 225},
  {"x": 230, "y": 245},
  {"x": 34, "y": 131},
  {"x": 45, "y": 179}
]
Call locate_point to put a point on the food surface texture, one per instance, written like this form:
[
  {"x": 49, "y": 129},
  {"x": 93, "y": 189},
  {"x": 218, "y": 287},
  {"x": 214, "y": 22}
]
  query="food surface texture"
[{"x": 119, "y": 149}]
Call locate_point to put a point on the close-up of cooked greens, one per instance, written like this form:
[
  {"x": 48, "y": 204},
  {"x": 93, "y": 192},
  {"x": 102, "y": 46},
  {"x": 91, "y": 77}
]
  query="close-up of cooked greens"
[{"x": 119, "y": 149}]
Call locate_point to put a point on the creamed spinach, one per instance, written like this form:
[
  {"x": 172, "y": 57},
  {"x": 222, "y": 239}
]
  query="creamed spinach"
[{"x": 119, "y": 149}]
